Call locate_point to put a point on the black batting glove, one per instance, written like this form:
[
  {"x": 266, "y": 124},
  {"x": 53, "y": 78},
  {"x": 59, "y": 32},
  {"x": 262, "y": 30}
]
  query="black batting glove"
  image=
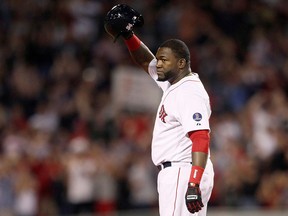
[{"x": 193, "y": 198}]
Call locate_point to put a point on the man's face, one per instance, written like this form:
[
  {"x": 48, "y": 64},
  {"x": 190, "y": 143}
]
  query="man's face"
[{"x": 167, "y": 64}]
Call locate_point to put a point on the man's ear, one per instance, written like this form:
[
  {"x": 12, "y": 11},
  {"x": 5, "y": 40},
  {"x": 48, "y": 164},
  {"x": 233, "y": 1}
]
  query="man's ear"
[{"x": 182, "y": 63}]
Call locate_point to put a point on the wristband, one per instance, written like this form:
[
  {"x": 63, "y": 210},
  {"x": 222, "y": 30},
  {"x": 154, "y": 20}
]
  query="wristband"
[
  {"x": 196, "y": 174},
  {"x": 133, "y": 43}
]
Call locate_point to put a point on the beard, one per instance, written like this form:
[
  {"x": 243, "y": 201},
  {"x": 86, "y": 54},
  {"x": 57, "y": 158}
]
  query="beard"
[{"x": 165, "y": 76}]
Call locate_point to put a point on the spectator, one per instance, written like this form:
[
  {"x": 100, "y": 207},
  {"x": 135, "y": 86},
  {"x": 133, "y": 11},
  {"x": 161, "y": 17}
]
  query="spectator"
[{"x": 56, "y": 72}]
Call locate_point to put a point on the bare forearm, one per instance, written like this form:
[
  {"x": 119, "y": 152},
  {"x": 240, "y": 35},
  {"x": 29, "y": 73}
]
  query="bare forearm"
[
  {"x": 139, "y": 52},
  {"x": 200, "y": 149},
  {"x": 142, "y": 56},
  {"x": 199, "y": 159}
]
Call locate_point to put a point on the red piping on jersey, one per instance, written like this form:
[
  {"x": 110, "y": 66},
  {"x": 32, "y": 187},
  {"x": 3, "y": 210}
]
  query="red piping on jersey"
[{"x": 176, "y": 191}]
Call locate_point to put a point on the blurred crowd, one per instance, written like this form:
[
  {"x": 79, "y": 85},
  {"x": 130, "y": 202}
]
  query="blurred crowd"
[{"x": 66, "y": 150}]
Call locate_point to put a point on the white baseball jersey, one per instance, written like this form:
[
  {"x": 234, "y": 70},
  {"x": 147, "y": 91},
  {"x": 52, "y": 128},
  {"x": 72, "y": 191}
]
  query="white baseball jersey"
[{"x": 184, "y": 107}]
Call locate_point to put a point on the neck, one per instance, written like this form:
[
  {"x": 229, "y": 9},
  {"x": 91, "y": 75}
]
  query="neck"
[{"x": 180, "y": 76}]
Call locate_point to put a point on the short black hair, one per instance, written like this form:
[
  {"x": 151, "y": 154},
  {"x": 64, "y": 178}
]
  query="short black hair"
[{"x": 178, "y": 47}]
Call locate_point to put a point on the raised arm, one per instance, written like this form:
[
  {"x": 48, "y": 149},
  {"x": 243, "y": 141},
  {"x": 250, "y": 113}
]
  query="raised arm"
[
  {"x": 139, "y": 52},
  {"x": 120, "y": 21}
]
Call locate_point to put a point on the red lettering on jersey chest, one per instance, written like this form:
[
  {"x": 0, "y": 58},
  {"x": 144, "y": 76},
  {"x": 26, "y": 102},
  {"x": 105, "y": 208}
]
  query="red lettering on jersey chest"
[{"x": 162, "y": 114}]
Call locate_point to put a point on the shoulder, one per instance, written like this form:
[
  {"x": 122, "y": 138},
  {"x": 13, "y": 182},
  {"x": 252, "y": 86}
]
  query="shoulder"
[
  {"x": 191, "y": 83},
  {"x": 191, "y": 87}
]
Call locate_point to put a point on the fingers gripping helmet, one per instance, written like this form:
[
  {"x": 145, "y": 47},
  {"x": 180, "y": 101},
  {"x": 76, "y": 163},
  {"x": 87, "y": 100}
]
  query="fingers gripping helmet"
[{"x": 121, "y": 20}]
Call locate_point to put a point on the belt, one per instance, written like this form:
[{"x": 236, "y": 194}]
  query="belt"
[
  {"x": 169, "y": 164},
  {"x": 164, "y": 165}
]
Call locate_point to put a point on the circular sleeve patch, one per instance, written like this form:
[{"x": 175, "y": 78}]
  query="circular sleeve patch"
[{"x": 197, "y": 116}]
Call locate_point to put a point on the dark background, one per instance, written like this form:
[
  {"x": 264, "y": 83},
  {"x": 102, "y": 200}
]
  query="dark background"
[{"x": 57, "y": 114}]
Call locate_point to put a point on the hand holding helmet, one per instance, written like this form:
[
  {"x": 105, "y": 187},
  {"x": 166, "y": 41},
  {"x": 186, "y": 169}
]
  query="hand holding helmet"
[{"x": 121, "y": 20}]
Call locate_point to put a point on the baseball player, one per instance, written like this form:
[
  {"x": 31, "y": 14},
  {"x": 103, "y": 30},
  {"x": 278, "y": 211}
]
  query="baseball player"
[{"x": 180, "y": 144}]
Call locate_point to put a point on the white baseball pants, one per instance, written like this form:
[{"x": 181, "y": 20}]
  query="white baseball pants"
[{"x": 172, "y": 185}]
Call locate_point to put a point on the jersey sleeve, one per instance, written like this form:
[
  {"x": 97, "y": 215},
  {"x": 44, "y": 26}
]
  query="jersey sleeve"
[{"x": 194, "y": 108}]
